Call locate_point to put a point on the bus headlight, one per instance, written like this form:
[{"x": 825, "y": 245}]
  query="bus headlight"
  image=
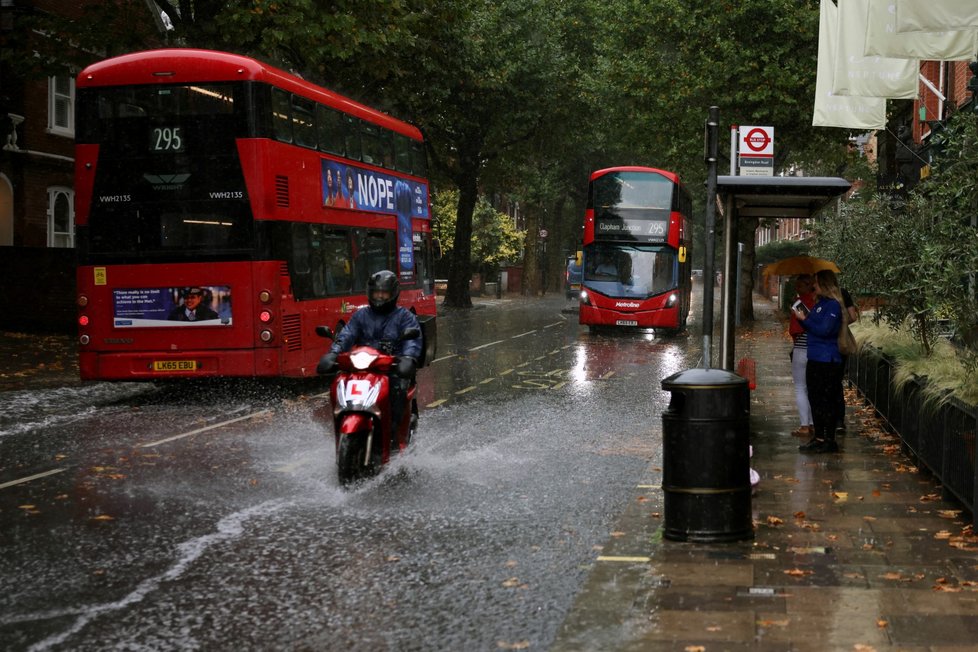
[
  {"x": 671, "y": 301},
  {"x": 585, "y": 299}
]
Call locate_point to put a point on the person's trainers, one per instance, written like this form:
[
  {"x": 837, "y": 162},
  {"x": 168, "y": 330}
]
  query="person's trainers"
[
  {"x": 803, "y": 431},
  {"x": 819, "y": 446}
]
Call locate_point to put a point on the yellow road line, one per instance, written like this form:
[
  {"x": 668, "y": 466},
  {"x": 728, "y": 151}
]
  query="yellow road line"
[
  {"x": 435, "y": 404},
  {"x": 465, "y": 391}
]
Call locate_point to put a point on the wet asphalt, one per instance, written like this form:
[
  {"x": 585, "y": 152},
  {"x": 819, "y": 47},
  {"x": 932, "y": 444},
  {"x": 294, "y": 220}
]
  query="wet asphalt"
[
  {"x": 505, "y": 531},
  {"x": 855, "y": 551}
]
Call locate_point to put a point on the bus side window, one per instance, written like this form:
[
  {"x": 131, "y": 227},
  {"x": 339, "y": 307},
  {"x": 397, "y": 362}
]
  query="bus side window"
[
  {"x": 354, "y": 146},
  {"x": 332, "y": 130},
  {"x": 375, "y": 251},
  {"x": 281, "y": 115},
  {"x": 373, "y": 149},
  {"x": 338, "y": 262},
  {"x": 402, "y": 154},
  {"x": 299, "y": 258},
  {"x": 304, "y": 121}
]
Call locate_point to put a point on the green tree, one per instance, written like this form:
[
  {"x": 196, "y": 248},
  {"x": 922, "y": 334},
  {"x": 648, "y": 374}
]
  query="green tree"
[
  {"x": 919, "y": 256},
  {"x": 495, "y": 240}
]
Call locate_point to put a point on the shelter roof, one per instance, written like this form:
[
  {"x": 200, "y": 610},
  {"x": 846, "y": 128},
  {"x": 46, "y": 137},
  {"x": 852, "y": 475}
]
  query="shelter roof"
[{"x": 784, "y": 197}]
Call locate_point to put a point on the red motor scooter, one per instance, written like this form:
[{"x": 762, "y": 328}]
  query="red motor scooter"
[{"x": 362, "y": 419}]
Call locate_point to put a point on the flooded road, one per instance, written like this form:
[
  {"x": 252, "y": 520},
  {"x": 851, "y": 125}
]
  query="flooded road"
[{"x": 136, "y": 517}]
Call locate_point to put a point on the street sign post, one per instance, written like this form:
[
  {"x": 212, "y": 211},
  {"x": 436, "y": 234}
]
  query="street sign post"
[{"x": 756, "y": 147}]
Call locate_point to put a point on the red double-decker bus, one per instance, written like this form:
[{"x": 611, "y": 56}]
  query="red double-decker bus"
[
  {"x": 636, "y": 251},
  {"x": 224, "y": 209}
]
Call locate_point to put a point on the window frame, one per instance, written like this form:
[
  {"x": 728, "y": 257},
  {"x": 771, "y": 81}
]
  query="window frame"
[
  {"x": 60, "y": 239},
  {"x": 54, "y": 97}
]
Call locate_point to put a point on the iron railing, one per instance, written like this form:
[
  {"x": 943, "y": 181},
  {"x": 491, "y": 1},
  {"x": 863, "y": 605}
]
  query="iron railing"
[{"x": 939, "y": 435}]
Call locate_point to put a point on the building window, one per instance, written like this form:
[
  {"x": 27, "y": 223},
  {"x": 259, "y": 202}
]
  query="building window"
[
  {"x": 61, "y": 217},
  {"x": 61, "y": 105}
]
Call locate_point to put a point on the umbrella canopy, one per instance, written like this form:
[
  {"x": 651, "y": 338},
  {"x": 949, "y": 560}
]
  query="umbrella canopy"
[{"x": 799, "y": 265}]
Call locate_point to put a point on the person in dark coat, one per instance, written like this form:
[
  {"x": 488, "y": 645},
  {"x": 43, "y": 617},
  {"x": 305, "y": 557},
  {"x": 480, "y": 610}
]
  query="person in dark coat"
[
  {"x": 381, "y": 322},
  {"x": 823, "y": 374},
  {"x": 192, "y": 308}
]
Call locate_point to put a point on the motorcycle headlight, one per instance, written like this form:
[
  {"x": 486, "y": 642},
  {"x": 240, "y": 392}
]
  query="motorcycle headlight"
[{"x": 361, "y": 359}]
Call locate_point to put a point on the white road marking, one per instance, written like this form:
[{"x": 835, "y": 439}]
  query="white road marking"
[
  {"x": 246, "y": 417},
  {"x": 36, "y": 476}
]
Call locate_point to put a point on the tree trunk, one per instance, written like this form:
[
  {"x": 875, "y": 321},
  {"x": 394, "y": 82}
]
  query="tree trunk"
[
  {"x": 531, "y": 253},
  {"x": 457, "y": 293}
]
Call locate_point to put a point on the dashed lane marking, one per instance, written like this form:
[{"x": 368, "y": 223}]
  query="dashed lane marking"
[
  {"x": 36, "y": 476},
  {"x": 522, "y": 334},
  {"x": 213, "y": 426},
  {"x": 435, "y": 404},
  {"x": 465, "y": 391},
  {"x": 608, "y": 375},
  {"x": 482, "y": 346},
  {"x": 626, "y": 560}
]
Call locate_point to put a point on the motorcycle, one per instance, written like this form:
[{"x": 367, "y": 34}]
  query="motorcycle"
[{"x": 362, "y": 421}]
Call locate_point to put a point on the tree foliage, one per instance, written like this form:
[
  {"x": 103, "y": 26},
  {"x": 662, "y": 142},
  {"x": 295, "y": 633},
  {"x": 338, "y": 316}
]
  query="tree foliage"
[
  {"x": 495, "y": 240},
  {"x": 920, "y": 257},
  {"x": 525, "y": 99}
]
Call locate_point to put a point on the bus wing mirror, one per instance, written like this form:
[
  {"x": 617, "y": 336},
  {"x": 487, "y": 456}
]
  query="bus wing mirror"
[{"x": 325, "y": 331}]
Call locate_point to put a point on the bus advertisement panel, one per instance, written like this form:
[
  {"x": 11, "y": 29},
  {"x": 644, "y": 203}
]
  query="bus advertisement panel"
[
  {"x": 636, "y": 268},
  {"x": 225, "y": 209}
]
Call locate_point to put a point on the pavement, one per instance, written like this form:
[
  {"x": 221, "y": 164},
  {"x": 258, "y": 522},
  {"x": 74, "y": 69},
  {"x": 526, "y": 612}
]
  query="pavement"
[
  {"x": 37, "y": 361},
  {"x": 851, "y": 551}
]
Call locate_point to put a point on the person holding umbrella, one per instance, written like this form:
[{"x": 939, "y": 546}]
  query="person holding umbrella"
[{"x": 824, "y": 370}]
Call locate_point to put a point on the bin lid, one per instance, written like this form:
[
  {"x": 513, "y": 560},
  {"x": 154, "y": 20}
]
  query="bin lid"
[{"x": 703, "y": 378}]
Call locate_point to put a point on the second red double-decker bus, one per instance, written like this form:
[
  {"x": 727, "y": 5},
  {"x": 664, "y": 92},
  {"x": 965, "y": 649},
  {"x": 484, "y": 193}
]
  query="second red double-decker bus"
[
  {"x": 224, "y": 209},
  {"x": 636, "y": 257}
]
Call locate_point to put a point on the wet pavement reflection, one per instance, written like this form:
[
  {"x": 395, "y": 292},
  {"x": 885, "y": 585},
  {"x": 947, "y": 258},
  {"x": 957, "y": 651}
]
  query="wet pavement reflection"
[{"x": 211, "y": 518}]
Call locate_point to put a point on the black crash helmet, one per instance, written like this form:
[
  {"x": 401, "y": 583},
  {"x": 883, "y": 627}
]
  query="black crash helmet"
[{"x": 385, "y": 281}]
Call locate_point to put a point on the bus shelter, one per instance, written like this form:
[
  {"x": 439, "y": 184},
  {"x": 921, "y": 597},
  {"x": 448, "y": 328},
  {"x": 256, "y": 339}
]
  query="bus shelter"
[{"x": 746, "y": 197}]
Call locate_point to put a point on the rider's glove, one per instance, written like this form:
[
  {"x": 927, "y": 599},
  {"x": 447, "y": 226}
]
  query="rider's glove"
[
  {"x": 407, "y": 367},
  {"x": 327, "y": 364}
]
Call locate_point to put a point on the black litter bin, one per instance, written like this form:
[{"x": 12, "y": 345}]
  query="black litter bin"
[{"x": 706, "y": 457}]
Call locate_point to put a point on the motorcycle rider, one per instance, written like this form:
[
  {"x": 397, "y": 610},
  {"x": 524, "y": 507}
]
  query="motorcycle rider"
[{"x": 381, "y": 323}]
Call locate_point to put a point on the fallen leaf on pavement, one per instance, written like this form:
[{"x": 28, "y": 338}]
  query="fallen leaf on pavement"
[{"x": 797, "y": 572}]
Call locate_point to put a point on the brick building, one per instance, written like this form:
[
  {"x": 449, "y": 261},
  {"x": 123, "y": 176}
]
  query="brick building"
[{"x": 37, "y": 151}]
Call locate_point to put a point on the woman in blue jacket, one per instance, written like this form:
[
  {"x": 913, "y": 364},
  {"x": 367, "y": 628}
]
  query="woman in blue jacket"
[{"x": 824, "y": 371}]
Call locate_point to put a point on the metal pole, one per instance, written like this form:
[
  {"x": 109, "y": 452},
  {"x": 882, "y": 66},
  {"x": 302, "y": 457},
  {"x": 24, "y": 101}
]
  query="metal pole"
[
  {"x": 733, "y": 150},
  {"x": 728, "y": 307},
  {"x": 740, "y": 251},
  {"x": 709, "y": 278}
]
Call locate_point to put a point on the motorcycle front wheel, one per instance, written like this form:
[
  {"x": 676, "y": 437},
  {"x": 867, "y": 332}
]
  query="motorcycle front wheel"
[{"x": 350, "y": 455}]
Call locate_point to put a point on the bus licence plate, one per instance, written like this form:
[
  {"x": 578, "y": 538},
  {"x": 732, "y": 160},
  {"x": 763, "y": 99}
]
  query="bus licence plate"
[
  {"x": 626, "y": 322},
  {"x": 174, "y": 365}
]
